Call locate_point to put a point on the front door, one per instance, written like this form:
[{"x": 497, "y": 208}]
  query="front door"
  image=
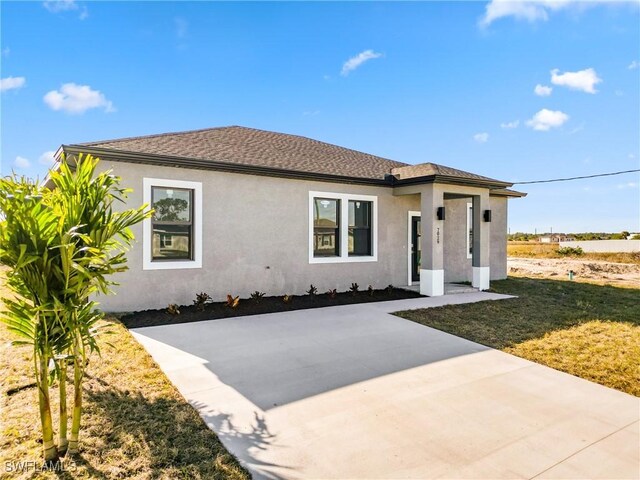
[{"x": 416, "y": 232}]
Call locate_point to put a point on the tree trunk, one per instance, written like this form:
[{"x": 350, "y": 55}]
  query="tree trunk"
[
  {"x": 62, "y": 433},
  {"x": 78, "y": 372},
  {"x": 49, "y": 447}
]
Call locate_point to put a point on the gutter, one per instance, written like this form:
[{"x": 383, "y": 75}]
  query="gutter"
[{"x": 200, "y": 164}]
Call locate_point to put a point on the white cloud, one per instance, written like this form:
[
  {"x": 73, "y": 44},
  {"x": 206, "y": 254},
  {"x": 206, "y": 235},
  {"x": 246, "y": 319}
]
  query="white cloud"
[
  {"x": 21, "y": 162},
  {"x": 584, "y": 80},
  {"x": 354, "y": 62},
  {"x": 530, "y": 10},
  {"x": 12, "y": 83},
  {"x": 627, "y": 185},
  {"x": 57, "y": 6},
  {"x": 73, "y": 98},
  {"x": 48, "y": 158},
  {"x": 481, "y": 137},
  {"x": 6, "y": 51},
  {"x": 542, "y": 90},
  {"x": 547, "y": 119},
  {"x": 513, "y": 124},
  {"x": 633, "y": 65}
]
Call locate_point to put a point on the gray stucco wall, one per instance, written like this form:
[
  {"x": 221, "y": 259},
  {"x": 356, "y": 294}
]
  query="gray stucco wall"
[
  {"x": 498, "y": 253},
  {"x": 256, "y": 237},
  {"x": 457, "y": 267}
]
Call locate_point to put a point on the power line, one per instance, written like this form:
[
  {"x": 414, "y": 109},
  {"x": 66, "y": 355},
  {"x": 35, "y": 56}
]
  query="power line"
[{"x": 577, "y": 178}]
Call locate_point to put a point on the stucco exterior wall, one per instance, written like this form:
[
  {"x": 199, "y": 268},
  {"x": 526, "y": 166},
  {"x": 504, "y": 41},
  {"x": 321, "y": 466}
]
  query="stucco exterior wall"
[
  {"x": 498, "y": 253},
  {"x": 457, "y": 267},
  {"x": 256, "y": 237}
]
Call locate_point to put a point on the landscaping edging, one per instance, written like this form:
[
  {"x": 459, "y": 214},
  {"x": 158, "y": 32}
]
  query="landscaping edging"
[{"x": 248, "y": 306}]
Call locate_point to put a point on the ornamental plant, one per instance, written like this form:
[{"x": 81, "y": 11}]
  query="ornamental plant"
[{"x": 61, "y": 244}]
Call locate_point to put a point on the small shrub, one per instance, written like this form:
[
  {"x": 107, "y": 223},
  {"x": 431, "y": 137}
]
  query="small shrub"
[
  {"x": 354, "y": 289},
  {"x": 312, "y": 290},
  {"x": 201, "y": 299},
  {"x": 257, "y": 296},
  {"x": 232, "y": 302},
  {"x": 370, "y": 290},
  {"x": 390, "y": 289},
  {"x": 332, "y": 293},
  {"x": 172, "y": 309},
  {"x": 287, "y": 298},
  {"x": 570, "y": 251}
]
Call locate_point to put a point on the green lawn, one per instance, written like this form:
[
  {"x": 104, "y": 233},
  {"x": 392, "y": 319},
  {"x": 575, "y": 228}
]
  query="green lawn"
[{"x": 591, "y": 331}]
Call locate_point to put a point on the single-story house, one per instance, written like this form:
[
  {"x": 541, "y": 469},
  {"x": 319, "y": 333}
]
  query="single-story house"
[
  {"x": 239, "y": 210},
  {"x": 555, "y": 238}
]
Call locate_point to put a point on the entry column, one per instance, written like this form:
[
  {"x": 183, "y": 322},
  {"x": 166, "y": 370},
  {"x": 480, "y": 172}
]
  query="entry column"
[
  {"x": 432, "y": 265},
  {"x": 481, "y": 238}
]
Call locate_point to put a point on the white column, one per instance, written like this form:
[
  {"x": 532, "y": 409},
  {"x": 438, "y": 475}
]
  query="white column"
[
  {"x": 432, "y": 265},
  {"x": 481, "y": 239}
]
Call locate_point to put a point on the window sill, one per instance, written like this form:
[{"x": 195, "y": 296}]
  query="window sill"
[
  {"x": 343, "y": 259},
  {"x": 172, "y": 265}
]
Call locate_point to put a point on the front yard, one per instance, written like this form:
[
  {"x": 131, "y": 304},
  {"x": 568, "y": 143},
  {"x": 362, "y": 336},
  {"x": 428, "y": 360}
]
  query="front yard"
[
  {"x": 136, "y": 424},
  {"x": 591, "y": 331}
]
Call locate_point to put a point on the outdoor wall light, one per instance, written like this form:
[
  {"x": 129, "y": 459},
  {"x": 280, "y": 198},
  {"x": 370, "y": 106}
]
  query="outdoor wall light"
[
  {"x": 487, "y": 215},
  {"x": 440, "y": 213}
]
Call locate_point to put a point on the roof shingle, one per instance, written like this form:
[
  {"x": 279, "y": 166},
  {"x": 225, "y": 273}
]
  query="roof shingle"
[{"x": 278, "y": 151}]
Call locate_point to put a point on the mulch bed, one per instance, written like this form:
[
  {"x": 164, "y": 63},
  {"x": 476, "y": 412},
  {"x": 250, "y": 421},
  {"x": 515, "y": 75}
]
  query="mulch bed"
[{"x": 248, "y": 306}]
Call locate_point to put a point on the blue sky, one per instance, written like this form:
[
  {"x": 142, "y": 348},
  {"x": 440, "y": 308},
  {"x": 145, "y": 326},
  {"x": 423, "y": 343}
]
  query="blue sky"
[{"x": 512, "y": 90}]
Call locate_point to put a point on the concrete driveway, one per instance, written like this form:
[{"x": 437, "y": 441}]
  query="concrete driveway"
[{"x": 353, "y": 392}]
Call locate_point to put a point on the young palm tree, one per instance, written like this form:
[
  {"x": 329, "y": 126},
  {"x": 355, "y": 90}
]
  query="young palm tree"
[{"x": 61, "y": 245}]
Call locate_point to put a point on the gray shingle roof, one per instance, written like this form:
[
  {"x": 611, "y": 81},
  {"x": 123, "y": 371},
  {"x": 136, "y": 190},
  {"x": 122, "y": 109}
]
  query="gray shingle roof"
[
  {"x": 427, "y": 169},
  {"x": 259, "y": 148},
  {"x": 249, "y": 146}
]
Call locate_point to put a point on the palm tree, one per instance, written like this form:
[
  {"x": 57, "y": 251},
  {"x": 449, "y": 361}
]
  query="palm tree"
[{"x": 61, "y": 245}]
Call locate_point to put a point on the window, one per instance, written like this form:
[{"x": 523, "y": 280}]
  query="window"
[
  {"x": 326, "y": 227},
  {"x": 172, "y": 223},
  {"x": 342, "y": 227},
  {"x": 469, "y": 230},
  {"x": 172, "y": 238},
  {"x": 359, "y": 228}
]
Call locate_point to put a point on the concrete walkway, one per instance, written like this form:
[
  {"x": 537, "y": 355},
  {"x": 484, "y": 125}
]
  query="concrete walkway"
[{"x": 353, "y": 392}]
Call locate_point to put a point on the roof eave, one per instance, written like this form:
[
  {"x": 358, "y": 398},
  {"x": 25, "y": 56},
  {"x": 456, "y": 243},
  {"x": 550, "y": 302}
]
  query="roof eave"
[
  {"x": 200, "y": 164},
  {"x": 453, "y": 180}
]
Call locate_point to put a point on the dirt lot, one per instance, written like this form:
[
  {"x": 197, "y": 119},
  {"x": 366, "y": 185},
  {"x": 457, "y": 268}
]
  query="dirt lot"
[{"x": 609, "y": 273}]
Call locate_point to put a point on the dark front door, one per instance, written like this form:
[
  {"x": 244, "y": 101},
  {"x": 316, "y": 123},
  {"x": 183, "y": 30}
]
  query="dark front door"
[{"x": 415, "y": 248}]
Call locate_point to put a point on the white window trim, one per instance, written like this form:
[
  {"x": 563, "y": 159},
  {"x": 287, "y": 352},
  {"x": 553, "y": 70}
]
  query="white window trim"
[
  {"x": 344, "y": 227},
  {"x": 147, "y": 237},
  {"x": 469, "y": 227}
]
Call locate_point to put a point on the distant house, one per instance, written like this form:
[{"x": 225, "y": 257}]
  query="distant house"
[
  {"x": 239, "y": 209},
  {"x": 556, "y": 238}
]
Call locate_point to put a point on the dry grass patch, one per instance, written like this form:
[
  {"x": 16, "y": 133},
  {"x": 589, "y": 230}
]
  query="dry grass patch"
[
  {"x": 550, "y": 250},
  {"x": 591, "y": 331},
  {"x": 607, "y": 353},
  {"x": 135, "y": 423}
]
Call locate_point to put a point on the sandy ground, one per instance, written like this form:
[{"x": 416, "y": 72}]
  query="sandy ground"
[{"x": 626, "y": 274}]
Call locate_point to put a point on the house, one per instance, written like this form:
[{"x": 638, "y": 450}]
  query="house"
[
  {"x": 555, "y": 238},
  {"x": 239, "y": 209}
]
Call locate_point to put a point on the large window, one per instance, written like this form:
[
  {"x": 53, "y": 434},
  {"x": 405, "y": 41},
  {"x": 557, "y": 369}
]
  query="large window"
[
  {"x": 342, "y": 227},
  {"x": 172, "y": 223},
  {"x": 469, "y": 231},
  {"x": 172, "y": 238}
]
